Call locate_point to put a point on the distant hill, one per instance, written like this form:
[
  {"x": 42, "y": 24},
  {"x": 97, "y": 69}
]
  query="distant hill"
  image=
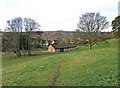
[{"x": 64, "y": 32}]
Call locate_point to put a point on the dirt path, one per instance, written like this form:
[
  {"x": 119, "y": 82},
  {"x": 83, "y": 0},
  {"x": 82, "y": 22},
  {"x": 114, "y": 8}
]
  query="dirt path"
[{"x": 55, "y": 76}]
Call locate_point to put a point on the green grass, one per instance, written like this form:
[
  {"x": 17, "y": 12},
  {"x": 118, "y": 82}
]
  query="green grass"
[{"x": 80, "y": 67}]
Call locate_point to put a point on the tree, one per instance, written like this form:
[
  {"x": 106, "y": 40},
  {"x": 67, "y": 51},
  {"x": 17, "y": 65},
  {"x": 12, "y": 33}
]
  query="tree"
[
  {"x": 75, "y": 37},
  {"x": 78, "y": 37},
  {"x": 15, "y": 27},
  {"x": 59, "y": 36},
  {"x": 91, "y": 24},
  {"x": 36, "y": 38},
  {"x": 56, "y": 35},
  {"x": 30, "y": 25},
  {"x": 20, "y": 29},
  {"x": 116, "y": 26}
]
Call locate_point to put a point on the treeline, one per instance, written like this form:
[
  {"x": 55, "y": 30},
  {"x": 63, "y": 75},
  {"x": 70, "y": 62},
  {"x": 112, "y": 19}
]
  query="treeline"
[{"x": 22, "y": 35}]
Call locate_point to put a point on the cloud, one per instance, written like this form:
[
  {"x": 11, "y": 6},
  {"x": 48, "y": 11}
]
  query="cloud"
[{"x": 55, "y": 14}]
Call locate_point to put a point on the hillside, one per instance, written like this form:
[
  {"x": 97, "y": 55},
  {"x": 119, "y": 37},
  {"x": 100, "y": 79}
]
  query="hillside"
[{"x": 80, "y": 67}]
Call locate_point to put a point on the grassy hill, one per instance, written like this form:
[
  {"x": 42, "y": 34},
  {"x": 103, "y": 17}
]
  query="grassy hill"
[{"x": 80, "y": 67}]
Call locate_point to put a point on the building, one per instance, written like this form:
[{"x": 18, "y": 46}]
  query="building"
[{"x": 60, "y": 48}]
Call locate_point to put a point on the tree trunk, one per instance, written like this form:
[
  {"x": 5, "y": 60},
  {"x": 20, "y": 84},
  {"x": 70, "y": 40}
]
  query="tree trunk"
[
  {"x": 18, "y": 46},
  {"x": 29, "y": 45},
  {"x": 29, "y": 52},
  {"x": 90, "y": 46}
]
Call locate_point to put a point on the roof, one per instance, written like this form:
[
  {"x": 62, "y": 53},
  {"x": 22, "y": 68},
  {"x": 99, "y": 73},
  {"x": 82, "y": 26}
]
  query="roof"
[{"x": 57, "y": 46}]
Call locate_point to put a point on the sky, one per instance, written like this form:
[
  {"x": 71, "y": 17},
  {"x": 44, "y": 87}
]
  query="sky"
[{"x": 55, "y": 15}]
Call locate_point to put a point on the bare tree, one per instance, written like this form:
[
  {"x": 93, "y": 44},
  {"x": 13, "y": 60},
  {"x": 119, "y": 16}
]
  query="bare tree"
[
  {"x": 15, "y": 27},
  {"x": 20, "y": 29},
  {"x": 30, "y": 25},
  {"x": 76, "y": 37},
  {"x": 91, "y": 24}
]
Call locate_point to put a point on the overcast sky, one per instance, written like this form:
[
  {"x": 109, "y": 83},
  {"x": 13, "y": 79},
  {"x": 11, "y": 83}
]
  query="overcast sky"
[{"x": 56, "y": 14}]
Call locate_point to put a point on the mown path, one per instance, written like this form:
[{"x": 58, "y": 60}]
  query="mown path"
[{"x": 55, "y": 76}]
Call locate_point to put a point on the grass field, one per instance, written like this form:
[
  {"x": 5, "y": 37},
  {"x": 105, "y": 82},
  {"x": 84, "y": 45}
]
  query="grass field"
[{"x": 80, "y": 67}]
